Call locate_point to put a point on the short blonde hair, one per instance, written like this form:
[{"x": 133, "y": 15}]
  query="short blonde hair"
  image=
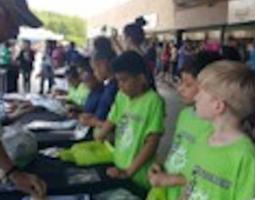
[{"x": 233, "y": 82}]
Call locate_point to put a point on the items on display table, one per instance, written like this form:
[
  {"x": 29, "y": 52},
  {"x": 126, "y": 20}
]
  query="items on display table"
[
  {"x": 14, "y": 97},
  {"x": 118, "y": 194},
  {"x": 48, "y": 103},
  {"x": 51, "y": 125},
  {"x": 81, "y": 176},
  {"x": 37, "y": 100},
  {"x": 88, "y": 153},
  {"x": 64, "y": 178},
  {"x": 20, "y": 145}
]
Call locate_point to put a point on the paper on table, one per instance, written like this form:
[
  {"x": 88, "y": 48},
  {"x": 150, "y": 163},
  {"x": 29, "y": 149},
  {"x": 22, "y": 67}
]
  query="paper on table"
[
  {"x": 52, "y": 152},
  {"x": 81, "y": 131},
  {"x": 116, "y": 194},
  {"x": 51, "y": 125},
  {"x": 14, "y": 96},
  {"x": 80, "y": 176}
]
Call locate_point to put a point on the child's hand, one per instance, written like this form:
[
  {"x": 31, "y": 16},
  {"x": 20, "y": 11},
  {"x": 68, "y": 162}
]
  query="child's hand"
[
  {"x": 29, "y": 184},
  {"x": 158, "y": 179},
  {"x": 25, "y": 104},
  {"x": 114, "y": 172},
  {"x": 157, "y": 176},
  {"x": 156, "y": 168},
  {"x": 72, "y": 114},
  {"x": 85, "y": 119},
  {"x": 99, "y": 137}
]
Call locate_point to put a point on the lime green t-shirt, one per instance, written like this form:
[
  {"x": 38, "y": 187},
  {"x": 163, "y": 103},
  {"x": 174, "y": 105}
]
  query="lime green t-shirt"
[
  {"x": 135, "y": 120},
  {"x": 190, "y": 129},
  {"x": 78, "y": 94},
  {"x": 221, "y": 173}
]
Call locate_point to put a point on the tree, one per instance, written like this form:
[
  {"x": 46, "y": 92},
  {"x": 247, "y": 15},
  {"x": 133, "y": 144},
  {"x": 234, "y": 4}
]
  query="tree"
[{"x": 73, "y": 28}]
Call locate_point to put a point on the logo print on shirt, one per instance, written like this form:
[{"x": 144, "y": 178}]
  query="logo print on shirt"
[
  {"x": 198, "y": 195},
  {"x": 125, "y": 131},
  {"x": 177, "y": 160}
]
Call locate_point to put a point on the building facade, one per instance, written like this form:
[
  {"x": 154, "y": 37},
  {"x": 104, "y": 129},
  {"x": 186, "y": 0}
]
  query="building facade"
[
  {"x": 159, "y": 15},
  {"x": 167, "y": 16}
]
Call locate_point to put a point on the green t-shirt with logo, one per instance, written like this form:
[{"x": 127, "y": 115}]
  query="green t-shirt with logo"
[
  {"x": 78, "y": 94},
  {"x": 190, "y": 129},
  {"x": 221, "y": 172},
  {"x": 135, "y": 120}
]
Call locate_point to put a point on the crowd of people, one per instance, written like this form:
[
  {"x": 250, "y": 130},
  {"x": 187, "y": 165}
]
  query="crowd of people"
[
  {"x": 114, "y": 89},
  {"x": 164, "y": 58},
  {"x": 20, "y": 57}
]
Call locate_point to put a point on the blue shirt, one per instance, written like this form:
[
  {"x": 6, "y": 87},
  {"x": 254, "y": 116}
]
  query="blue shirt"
[
  {"x": 93, "y": 100},
  {"x": 72, "y": 56},
  {"x": 252, "y": 59},
  {"x": 184, "y": 57},
  {"x": 107, "y": 99}
]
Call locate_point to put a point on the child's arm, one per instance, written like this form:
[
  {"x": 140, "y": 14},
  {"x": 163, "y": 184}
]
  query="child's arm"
[
  {"x": 90, "y": 120},
  {"x": 107, "y": 128},
  {"x": 145, "y": 154},
  {"x": 163, "y": 179},
  {"x": 159, "y": 178}
]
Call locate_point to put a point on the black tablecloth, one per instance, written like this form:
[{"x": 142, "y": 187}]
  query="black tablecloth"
[
  {"x": 57, "y": 173},
  {"x": 39, "y": 114},
  {"x": 50, "y": 138}
]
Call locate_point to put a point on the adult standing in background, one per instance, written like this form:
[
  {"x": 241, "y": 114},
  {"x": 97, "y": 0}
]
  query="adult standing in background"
[
  {"x": 7, "y": 62},
  {"x": 185, "y": 54},
  {"x": 72, "y": 55},
  {"x": 230, "y": 50},
  {"x": 47, "y": 72},
  {"x": 5, "y": 55},
  {"x": 134, "y": 40},
  {"x": 25, "y": 61}
]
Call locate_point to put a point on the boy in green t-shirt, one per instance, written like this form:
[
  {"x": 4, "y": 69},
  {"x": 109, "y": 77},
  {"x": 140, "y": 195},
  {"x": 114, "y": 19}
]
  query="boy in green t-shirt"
[
  {"x": 78, "y": 91},
  {"x": 222, "y": 166},
  {"x": 137, "y": 116},
  {"x": 189, "y": 130}
]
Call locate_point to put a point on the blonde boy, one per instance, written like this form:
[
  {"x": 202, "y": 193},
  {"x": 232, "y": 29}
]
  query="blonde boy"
[{"x": 223, "y": 166}]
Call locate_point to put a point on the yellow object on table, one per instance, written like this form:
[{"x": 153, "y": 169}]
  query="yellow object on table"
[{"x": 88, "y": 153}]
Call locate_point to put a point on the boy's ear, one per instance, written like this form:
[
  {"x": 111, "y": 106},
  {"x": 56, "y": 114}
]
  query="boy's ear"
[{"x": 220, "y": 107}]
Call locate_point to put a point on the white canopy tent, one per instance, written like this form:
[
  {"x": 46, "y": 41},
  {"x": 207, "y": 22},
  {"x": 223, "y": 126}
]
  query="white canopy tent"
[{"x": 39, "y": 34}]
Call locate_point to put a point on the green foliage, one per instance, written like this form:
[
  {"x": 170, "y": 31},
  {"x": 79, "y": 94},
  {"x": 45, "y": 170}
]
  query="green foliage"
[{"x": 73, "y": 28}]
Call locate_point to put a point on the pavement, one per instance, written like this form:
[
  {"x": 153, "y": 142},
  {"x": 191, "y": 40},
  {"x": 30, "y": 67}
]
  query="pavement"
[{"x": 173, "y": 107}]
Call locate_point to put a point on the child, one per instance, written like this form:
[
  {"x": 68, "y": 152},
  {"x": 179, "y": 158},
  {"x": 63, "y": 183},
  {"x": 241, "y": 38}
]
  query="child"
[
  {"x": 138, "y": 118},
  {"x": 101, "y": 64},
  {"x": 96, "y": 90},
  {"x": 223, "y": 165},
  {"x": 189, "y": 129},
  {"x": 78, "y": 91}
]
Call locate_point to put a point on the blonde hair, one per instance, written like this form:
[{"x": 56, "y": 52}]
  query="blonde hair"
[{"x": 234, "y": 83}]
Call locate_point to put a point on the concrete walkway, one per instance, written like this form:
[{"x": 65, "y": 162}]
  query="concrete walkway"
[{"x": 173, "y": 107}]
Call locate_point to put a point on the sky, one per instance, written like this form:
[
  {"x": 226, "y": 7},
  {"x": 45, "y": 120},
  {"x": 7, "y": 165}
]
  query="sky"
[{"x": 81, "y": 8}]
